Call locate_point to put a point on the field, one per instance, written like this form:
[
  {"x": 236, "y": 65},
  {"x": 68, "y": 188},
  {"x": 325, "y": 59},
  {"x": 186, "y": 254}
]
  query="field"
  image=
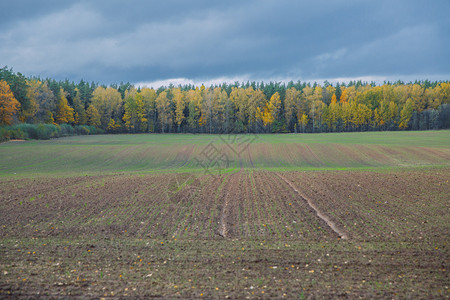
[{"x": 286, "y": 216}]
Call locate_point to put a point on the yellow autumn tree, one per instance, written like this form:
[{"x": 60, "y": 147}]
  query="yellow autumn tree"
[
  {"x": 267, "y": 115},
  {"x": 8, "y": 104},
  {"x": 180, "y": 105},
  {"x": 416, "y": 94},
  {"x": 149, "y": 100},
  {"x": 220, "y": 99},
  {"x": 445, "y": 92},
  {"x": 206, "y": 110},
  {"x": 29, "y": 114},
  {"x": 193, "y": 100},
  {"x": 134, "y": 116},
  {"x": 406, "y": 114},
  {"x": 344, "y": 96},
  {"x": 328, "y": 93},
  {"x": 361, "y": 115},
  {"x": 93, "y": 116},
  {"x": 109, "y": 104},
  {"x": 239, "y": 98},
  {"x": 332, "y": 114},
  {"x": 333, "y": 99},
  {"x": 64, "y": 113},
  {"x": 256, "y": 103},
  {"x": 113, "y": 126},
  {"x": 291, "y": 105},
  {"x": 303, "y": 121},
  {"x": 275, "y": 102},
  {"x": 165, "y": 113}
]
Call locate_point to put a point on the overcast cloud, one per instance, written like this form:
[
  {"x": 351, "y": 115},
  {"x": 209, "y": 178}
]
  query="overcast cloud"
[{"x": 212, "y": 41}]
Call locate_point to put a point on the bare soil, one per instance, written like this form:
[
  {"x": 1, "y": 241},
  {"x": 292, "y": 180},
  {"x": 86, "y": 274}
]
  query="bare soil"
[{"x": 238, "y": 235}]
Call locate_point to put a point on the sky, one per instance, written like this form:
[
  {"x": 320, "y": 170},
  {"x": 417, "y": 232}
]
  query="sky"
[{"x": 154, "y": 43}]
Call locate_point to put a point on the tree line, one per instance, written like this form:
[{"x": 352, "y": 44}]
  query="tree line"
[{"x": 238, "y": 108}]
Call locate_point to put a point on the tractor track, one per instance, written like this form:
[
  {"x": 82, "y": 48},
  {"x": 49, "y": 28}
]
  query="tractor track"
[{"x": 319, "y": 214}]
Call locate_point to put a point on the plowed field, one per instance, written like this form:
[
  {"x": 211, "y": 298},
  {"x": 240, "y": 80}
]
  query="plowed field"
[{"x": 285, "y": 219}]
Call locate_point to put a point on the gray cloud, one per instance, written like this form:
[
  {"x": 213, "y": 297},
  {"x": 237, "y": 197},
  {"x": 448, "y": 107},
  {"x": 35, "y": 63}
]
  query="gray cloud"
[{"x": 111, "y": 41}]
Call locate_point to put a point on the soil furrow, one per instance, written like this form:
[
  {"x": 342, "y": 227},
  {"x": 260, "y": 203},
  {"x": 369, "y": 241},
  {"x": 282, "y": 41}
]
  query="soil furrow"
[
  {"x": 223, "y": 228},
  {"x": 231, "y": 196}
]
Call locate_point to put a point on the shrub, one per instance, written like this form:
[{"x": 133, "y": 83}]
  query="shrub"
[
  {"x": 82, "y": 130},
  {"x": 47, "y": 131},
  {"x": 66, "y": 130},
  {"x": 44, "y": 131},
  {"x": 95, "y": 130},
  {"x": 16, "y": 134}
]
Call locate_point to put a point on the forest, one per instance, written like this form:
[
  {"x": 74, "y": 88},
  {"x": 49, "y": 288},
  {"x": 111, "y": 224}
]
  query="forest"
[{"x": 252, "y": 107}]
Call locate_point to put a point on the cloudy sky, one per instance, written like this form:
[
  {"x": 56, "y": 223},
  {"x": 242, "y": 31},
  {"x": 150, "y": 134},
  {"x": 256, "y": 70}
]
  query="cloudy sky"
[{"x": 198, "y": 41}]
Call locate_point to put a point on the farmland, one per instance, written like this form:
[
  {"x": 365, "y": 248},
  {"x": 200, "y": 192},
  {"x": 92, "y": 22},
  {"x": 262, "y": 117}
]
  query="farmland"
[{"x": 328, "y": 215}]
